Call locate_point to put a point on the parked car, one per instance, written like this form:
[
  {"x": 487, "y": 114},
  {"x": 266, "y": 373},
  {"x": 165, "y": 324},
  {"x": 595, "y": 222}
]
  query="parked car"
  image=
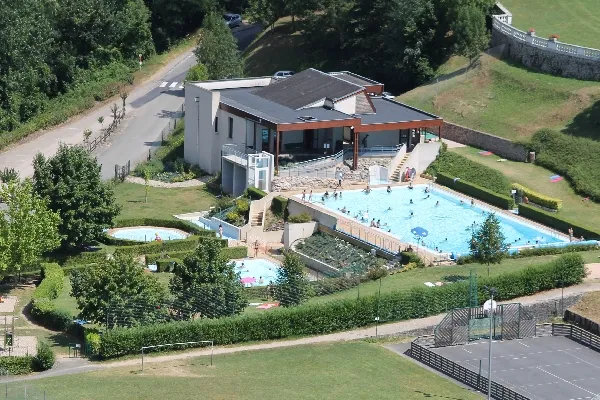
[
  {"x": 232, "y": 20},
  {"x": 388, "y": 95},
  {"x": 283, "y": 74}
]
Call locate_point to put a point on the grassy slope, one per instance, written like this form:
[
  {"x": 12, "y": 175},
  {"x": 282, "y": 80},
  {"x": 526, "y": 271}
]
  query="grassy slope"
[
  {"x": 575, "y": 21},
  {"x": 162, "y": 203},
  {"x": 589, "y": 306},
  {"x": 356, "y": 370},
  {"x": 510, "y": 101},
  {"x": 537, "y": 178}
]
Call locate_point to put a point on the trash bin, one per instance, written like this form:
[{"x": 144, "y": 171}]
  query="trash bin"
[{"x": 8, "y": 339}]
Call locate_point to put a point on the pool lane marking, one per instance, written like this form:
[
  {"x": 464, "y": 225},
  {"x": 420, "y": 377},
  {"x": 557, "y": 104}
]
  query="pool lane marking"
[{"x": 564, "y": 380}]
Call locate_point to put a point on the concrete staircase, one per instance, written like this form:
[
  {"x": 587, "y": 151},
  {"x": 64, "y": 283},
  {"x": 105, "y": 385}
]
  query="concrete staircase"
[
  {"x": 397, "y": 175},
  {"x": 257, "y": 219}
]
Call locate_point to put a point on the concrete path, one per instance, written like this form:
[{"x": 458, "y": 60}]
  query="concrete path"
[
  {"x": 74, "y": 366},
  {"x": 150, "y": 106}
]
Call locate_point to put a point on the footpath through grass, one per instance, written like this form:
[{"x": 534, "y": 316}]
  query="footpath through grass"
[
  {"x": 510, "y": 101},
  {"x": 356, "y": 370},
  {"x": 575, "y": 21},
  {"x": 584, "y": 213},
  {"x": 162, "y": 202}
]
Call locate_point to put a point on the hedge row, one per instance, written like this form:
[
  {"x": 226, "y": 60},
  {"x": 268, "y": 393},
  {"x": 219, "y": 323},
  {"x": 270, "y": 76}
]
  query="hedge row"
[
  {"x": 255, "y": 194},
  {"x": 279, "y": 205},
  {"x": 327, "y": 317},
  {"x": 538, "y": 198},
  {"x": 153, "y": 257},
  {"x": 231, "y": 253},
  {"x": 166, "y": 264},
  {"x": 85, "y": 258},
  {"x": 556, "y": 222},
  {"x": 471, "y": 189},
  {"x": 43, "y": 309},
  {"x": 20, "y": 365},
  {"x": 537, "y": 251},
  {"x": 166, "y": 246},
  {"x": 185, "y": 226}
]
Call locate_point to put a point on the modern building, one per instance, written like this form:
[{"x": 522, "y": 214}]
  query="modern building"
[{"x": 245, "y": 127}]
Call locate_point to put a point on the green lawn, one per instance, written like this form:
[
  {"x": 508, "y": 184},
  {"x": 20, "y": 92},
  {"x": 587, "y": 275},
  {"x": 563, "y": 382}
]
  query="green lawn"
[
  {"x": 162, "y": 203},
  {"x": 417, "y": 277},
  {"x": 509, "y": 101},
  {"x": 65, "y": 301},
  {"x": 356, "y": 370},
  {"x": 575, "y": 21},
  {"x": 537, "y": 178}
]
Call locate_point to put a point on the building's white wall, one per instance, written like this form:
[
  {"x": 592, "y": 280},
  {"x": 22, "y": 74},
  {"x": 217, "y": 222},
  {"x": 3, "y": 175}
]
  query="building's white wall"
[
  {"x": 234, "y": 83},
  {"x": 319, "y": 103},
  {"x": 347, "y": 106},
  {"x": 380, "y": 138},
  {"x": 292, "y": 137},
  {"x": 199, "y": 130}
]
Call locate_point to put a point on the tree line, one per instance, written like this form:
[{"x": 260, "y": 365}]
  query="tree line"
[
  {"x": 52, "y": 47},
  {"x": 398, "y": 42}
]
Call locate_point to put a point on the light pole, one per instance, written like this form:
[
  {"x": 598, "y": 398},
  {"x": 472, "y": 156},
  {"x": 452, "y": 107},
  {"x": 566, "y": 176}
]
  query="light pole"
[
  {"x": 197, "y": 100},
  {"x": 492, "y": 310}
]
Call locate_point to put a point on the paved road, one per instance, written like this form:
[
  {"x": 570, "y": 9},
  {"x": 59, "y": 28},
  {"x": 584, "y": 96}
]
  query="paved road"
[{"x": 149, "y": 108}]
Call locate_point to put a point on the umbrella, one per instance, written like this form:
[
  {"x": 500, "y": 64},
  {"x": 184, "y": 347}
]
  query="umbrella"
[
  {"x": 248, "y": 280},
  {"x": 419, "y": 232}
]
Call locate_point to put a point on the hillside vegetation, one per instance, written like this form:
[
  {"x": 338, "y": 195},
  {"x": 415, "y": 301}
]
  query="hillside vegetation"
[{"x": 510, "y": 101}]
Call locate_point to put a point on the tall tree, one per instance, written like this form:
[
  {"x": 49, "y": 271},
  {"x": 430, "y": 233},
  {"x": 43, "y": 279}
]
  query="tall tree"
[
  {"x": 72, "y": 184},
  {"x": 291, "y": 287},
  {"x": 118, "y": 292},
  {"x": 487, "y": 244},
  {"x": 27, "y": 227},
  {"x": 217, "y": 49},
  {"x": 470, "y": 32},
  {"x": 207, "y": 283}
]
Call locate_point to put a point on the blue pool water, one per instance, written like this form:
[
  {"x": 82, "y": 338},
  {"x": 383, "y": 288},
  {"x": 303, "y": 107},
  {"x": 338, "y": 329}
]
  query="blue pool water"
[
  {"x": 147, "y": 233},
  {"x": 263, "y": 271},
  {"x": 449, "y": 224}
]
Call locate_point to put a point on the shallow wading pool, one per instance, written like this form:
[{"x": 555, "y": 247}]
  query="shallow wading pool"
[{"x": 147, "y": 233}]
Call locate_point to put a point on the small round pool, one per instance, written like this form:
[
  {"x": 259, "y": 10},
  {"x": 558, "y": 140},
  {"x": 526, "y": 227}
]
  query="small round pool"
[{"x": 147, "y": 233}]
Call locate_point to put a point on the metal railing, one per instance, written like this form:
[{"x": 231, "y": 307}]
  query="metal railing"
[
  {"x": 237, "y": 150},
  {"x": 311, "y": 167},
  {"x": 379, "y": 151},
  {"x": 460, "y": 373}
]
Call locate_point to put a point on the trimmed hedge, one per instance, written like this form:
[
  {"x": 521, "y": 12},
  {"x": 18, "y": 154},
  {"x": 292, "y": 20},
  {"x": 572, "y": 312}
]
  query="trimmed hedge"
[
  {"x": 481, "y": 193},
  {"x": 255, "y": 194},
  {"x": 537, "y": 251},
  {"x": 230, "y": 252},
  {"x": 43, "y": 309},
  {"x": 279, "y": 205},
  {"x": 556, "y": 222},
  {"x": 234, "y": 253},
  {"x": 85, "y": 258},
  {"x": 333, "y": 316},
  {"x": 165, "y": 223},
  {"x": 17, "y": 365},
  {"x": 300, "y": 218},
  {"x": 165, "y": 264},
  {"x": 537, "y": 198},
  {"x": 165, "y": 246}
]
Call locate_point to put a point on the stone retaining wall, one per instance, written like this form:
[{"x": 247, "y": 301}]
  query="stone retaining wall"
[{"x": 485, "y": 141}]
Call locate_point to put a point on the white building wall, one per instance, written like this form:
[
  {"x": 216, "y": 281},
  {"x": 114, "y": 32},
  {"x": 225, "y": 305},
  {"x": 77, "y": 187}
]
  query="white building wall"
[
  {"x": 199, "y": 129},
  {"x": 347, "y": 106}
]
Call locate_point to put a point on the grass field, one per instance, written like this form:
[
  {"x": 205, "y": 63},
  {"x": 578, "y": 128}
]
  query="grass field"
[
  {"x": 65, "y": 301},
  {"x": 589, "y": 306},
  {"x": 162, "y": 203},
  {"x": 537, "y": 178},
  {"x": 575, "y": 21},
  {"x": 356, "y": 370},
  {"x": 508, "y": 100}
]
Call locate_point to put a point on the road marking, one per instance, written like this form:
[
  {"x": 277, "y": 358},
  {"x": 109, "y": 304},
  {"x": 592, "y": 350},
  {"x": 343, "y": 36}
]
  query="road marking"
[
  {"x": 173, "y": 85},
  {"x": 564, "y": 380},
  {"x": 466, "y": 350},
  {"x": 580, "y": 359},
  {"x": 163, "y": 84},
  {"x": 522, "y": 343}
]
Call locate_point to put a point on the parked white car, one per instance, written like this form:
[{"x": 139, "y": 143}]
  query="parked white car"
[
  {"x": 232, "y": 20},
  {"x": 388, "y": 95},
  {"x": 283, "y": 74}
]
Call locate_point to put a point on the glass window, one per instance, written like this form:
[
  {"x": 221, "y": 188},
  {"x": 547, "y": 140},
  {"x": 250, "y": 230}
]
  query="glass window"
[
  {"x": 216, "y": 124},
  {"x": 230, "y": 127}
]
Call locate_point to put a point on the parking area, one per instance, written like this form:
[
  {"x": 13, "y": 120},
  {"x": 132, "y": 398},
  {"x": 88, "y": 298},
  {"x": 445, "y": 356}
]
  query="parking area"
[{"x": 540, "y": 368}]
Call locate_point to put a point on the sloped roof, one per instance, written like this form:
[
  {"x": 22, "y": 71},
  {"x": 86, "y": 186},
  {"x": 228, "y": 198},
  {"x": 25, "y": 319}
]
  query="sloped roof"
[{"x": 305, "y": 88}]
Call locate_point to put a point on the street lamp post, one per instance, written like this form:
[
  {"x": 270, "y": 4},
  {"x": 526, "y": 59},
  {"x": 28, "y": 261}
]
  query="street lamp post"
[{"x": 492, "y": 310}]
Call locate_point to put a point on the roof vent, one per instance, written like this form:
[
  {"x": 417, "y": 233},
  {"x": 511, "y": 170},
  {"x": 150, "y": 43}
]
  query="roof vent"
[{"x": 307, "y": 118}]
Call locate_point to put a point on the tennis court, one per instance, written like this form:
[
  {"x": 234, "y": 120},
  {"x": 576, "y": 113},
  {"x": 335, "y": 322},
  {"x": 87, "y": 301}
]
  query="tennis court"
[{"x": 541, "y": 368}]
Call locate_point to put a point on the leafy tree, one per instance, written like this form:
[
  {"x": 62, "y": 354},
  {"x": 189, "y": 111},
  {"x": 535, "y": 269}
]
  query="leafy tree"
[
  {"x": 217, "y": 49},
  {"x": 487, "y": 243},
  {"x": 120, "y": 285},
  {"x": 27, "y": 227},
  {"x": 101, "y": 121},
  {"x": 8, "y": 174},
  {"x": 197, "y": 73},
  {"x": 72, "y": 184},
  {"x": 206, "y": 283},
  {"x": 265, "y": 12},
  {"x": 471, "y": 33},
  {"x": 291, "y": 287}
]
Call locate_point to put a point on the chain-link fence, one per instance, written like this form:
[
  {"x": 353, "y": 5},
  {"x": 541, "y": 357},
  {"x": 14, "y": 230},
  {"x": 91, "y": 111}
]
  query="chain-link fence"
[{"x": 19, "y": 391}]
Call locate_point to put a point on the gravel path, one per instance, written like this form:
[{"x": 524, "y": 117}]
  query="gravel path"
[{"x": 153, "y": 183}]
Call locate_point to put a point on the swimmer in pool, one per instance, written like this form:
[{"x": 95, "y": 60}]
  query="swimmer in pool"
[
  {"x": 437, "y": 203},
  {"x": 389, "y": 189},
  {"x": 411, "y": 202}
]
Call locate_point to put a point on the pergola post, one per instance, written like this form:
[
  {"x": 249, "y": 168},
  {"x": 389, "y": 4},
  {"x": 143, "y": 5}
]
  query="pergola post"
[
  {"x": 277, "y": 141},
  {"x": 355, "y": 156}
]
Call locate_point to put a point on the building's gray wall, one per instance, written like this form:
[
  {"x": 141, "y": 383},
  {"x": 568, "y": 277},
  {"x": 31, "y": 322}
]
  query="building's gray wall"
[
  {"x": 199, "y": 133},
  {"x": 545, "y": 60},
  {"x": 497, "y": 145}
]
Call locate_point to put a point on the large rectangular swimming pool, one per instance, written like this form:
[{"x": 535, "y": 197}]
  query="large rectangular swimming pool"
[{"x": 448, "y": 221}]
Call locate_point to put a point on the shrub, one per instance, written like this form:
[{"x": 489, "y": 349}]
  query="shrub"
[
  {"x": 45, "y": 358},
  {"x": 255, "y": 194},
  {"x": 43, "y": 309},
  {"x": 166, "y": 246},
  {"x": 481, "y": 193},
  {"x": 185, "y": 226},
  {"x": 242, "y": 206},
  {"x": 575, "y": 158},
  {"x": 17, "y": 365},
  {"x": 52, "y": 283},
  {"x": 300, "y": 218},
  {"x": 167, "y": 264},
  {"x": 455, "y": 165},
  {"x": 537, "y": 198},
  {"x": 408, "y": 257},
  {"x": 279, "y": 205},
  {"x": 85, "y": 258},
  {"x": 153, "y": 257},
  {"x": 556, "y": 222},
  {"x": 327, "y": 317},
  {"x": 92, "y": 340},
  {"x": 327, "y": 286},
  {"x": 539, "y": 251},
  {"x": 234, "y": 253}
]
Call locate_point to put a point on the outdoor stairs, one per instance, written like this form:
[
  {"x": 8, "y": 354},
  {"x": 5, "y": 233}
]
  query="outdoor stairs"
[
  {"x": 256, "y": 219},
  {"x": 397, "y": 175}
]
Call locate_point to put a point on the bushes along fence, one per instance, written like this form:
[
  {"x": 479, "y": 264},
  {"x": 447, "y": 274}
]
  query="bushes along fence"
[
  {"x": 556, "y": 222},
  {"x": 538, "y": 198},
  {"x": 327, "y": 317},
  {"x": 479, "y": 192}
]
